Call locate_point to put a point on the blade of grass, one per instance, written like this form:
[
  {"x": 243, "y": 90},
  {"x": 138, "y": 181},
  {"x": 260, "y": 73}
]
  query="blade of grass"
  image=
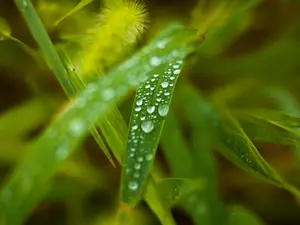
[
  {"x": 29, "y": 181},
  {"x": 79, "y": 6},
  {"x": 203, "y": 121},
  {"x": 236, "y": 145},
  {"x": 150, "y": 108}
]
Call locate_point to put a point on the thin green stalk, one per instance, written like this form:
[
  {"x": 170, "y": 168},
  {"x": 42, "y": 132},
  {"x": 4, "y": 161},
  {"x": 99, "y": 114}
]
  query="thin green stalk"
[{"x": 40, "y": 35}]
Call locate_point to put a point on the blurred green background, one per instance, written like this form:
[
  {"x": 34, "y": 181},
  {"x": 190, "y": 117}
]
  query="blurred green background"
[{"x": 260, "y": 44}]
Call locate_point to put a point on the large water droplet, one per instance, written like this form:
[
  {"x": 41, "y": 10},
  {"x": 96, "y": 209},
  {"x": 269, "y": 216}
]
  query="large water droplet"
[
  {"x": 137, "y": 109},
  {"x": 163, "y": 110},
  {"x": 147, "y": 126},
  {"x": 150, "y": 109},
  {"x": 164, "y": 84},
  {"x": 139, "y": 102},
  {"x": 155, "y": 61},
  {"x": 133, "y": 185}
]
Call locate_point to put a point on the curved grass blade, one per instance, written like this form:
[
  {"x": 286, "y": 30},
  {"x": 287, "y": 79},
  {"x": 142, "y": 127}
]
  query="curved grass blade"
[
  {"x": 155, "y": 202},
  {"x": 29, "y": 181},
  {"x": 150, "y": 108},
  {"x": 177, "y": 153},
  {"x": 79, "y": 6},
  {"x": 235, "y": 144},
  {"x": 205, "y": 205},
  {"x": 5, "y": 30}
]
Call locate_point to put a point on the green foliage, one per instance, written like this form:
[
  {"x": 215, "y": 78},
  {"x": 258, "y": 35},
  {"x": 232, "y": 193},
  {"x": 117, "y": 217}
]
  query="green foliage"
[{"x": 237, "y": 92}]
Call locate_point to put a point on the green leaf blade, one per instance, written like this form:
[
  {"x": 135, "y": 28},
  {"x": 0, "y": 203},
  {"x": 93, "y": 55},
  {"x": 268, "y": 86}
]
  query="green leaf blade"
[{"x": 151, "y": 106}]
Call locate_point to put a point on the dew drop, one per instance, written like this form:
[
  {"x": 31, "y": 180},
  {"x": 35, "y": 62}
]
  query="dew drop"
[
  {"x": 143, "y": 118},
  {"x": 136, "y": 175},
  {"x": 172, "y": 78},
  {"x": 133, "y": 185},
  {"x": 163, "y": 110},
  {"x": 156, "y": 75},
  {"x": 131, "y": 155},
  {"x": 158, "y": 99},
  {"x": 155, "y": 61},
  {"x": 164, "y": 84},
  {"x": 147, "y": 86},
  {"x": 137, "y": 109},
  {"x": 134, "y": 127},
  {"x": 150, "y": 109},
  {"x": 137, "y": 166},
  {"x": 25, "y": 3},
  {"x": 139, "y": 102},
  {"x": 176, "y": 72},
  {"x": 149, "y": 157},
  {"x": 162, "y": 44},
  {"x": 176, "y": 66},
  {"x": 76, "y": 128},
  {"x": 140, "y": 159},
  {"x": 147, "y": 126},
  {"x": 167, "y": 93}
]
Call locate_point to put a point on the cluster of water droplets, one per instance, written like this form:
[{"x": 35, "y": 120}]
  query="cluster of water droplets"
[{"x": 151, "y": 107}]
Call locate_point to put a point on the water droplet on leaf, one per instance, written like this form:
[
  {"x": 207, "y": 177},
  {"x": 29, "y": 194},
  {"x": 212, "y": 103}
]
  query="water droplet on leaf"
[
  {"x": 133, "y": 185},
  {"x": 147, "y": 126},
  {"x": 150, "y": 109},
  {"x": 163, "y": 110},
  {"x": 164, "y": 84}
]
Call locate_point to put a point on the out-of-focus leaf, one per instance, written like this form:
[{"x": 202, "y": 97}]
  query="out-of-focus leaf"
[
  {"x": 235, "y": 20},
  {"x": 242, "y": 216},
  {"x": 79, "y": 6},
  {"x": 205, "y": 205},
  {"x": 283, "y": 53},
  {"x": 289, "y": 104},
  {"x": 14, "y": 129},
  {"x": 156, "y": 204},
  {"x": 5, "y": 30}
]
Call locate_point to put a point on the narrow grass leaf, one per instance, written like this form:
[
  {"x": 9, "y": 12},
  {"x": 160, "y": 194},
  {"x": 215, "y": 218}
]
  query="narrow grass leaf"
[
  {"x": 236, "y": 145},
  {"x": 156, "y": 204},
  {"x": 79, "y": 6},
  {"x": 5, "y": 30},
  {"x": 29, "y": 181},
  {"x": 150, "y": 108},
  {"x": 205, "y": 205}
]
